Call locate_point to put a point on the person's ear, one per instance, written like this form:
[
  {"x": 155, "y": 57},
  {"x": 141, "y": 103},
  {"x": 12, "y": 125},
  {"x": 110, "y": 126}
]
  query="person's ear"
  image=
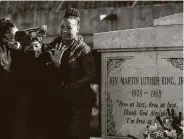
[{"x": 78, "y": 28}]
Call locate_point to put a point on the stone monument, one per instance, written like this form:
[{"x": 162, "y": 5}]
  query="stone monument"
[{"x": 142, "y": 76}]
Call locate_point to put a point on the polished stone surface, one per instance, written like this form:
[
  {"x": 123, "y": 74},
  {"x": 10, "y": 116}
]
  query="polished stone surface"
[{"x": 142, "y": 76}]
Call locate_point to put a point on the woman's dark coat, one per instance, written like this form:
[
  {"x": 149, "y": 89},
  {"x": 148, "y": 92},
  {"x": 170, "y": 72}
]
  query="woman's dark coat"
[{"x": 75, "y": 73}]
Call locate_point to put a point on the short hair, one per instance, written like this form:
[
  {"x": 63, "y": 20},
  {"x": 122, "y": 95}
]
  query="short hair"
[
  {"x": 73, "y": 13},
  {"x": 5, "y": 25}
]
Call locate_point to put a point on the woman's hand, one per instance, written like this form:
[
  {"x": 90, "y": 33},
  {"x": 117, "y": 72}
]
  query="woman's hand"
[
  {"x": 12, "y": 44},
  {"x": 5, "y": 58},
  {"x": 57, "y": 53}
]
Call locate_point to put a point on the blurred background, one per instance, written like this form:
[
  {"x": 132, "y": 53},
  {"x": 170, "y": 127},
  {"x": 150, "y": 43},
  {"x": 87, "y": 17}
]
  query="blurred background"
[{"x": 96, "y": 16}]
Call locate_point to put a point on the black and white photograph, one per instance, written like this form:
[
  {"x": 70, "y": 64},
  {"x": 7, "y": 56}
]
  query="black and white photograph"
[{"x": 91, "y": 69}]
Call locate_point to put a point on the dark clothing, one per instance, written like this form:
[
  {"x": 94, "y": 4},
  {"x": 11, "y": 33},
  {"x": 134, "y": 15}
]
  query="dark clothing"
[
  {"x": 6, "y": 101},
  {"x": 76, "y": 72},
  {"x": 34, "y": 101}
]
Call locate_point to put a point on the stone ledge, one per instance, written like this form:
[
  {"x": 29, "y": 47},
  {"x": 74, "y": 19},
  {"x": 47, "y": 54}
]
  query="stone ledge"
[
  {"x": 165, "y": 36},
  {"x": 176, "y": 19}
]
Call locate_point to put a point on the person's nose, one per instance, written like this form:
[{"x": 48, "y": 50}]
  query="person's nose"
[{"x": 64, "y": 30}]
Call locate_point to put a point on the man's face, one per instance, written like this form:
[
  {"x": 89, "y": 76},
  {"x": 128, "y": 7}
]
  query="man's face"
[
  {"x": 69, "y": 28},
  {"x": 10, "y": 34},
  {"x": 33, "y": 49}
]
